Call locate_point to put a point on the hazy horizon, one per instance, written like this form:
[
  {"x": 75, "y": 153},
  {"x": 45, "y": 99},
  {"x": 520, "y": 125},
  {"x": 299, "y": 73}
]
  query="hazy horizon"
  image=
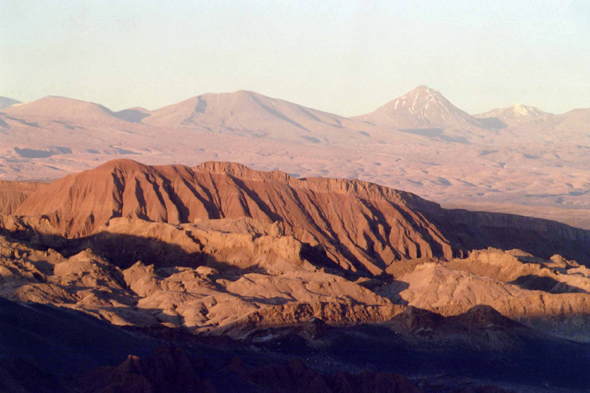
[{"x": 346, "y": 58}]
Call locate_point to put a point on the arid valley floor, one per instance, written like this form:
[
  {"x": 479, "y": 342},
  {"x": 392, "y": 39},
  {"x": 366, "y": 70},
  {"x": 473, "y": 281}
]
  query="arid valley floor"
[{"x": 517, "y": 160}]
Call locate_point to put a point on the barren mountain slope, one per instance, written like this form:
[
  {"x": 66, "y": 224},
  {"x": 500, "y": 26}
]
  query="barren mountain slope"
[
  {"x": 243, "y": 279},
  {"x": 13, "y": 193},
  {"x": 361, "y": 226},
  {"x": 576, "y": 122},
  {"x": 61, "y": 108},
  {"x": 421, "y": 108},
  {"x": 540, "y": 237},
  {"x": 515, "y": 114},
  {"x": 537, "y": 167},
  {"x": 215, "y": 281},
  {"x": 247, "y": 113},
  {"x": 552, "y": 296}
]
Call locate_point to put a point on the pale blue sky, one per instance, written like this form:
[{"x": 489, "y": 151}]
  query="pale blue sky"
[{"x": 345, "y": 57}]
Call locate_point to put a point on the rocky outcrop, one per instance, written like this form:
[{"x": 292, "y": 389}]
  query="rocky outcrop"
[
  {"x": 295, "y": 376},
  {"x": 344, "y": 313},
  {"x": 559, "y": 305},
  {"x": 480, "y": 327},
  {"x": 238, "y": 244},
  {"x": 240, "y": 277},
  {"x": 359, "y": 226},
  {"x": 168, "y": 370}
]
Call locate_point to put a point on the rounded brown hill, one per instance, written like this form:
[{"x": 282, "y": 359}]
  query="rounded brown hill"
[{"x": 61, "y": 108}]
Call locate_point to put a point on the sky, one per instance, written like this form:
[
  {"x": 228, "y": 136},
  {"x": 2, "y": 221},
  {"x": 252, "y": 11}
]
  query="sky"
[{"x": 345, "y": 57}]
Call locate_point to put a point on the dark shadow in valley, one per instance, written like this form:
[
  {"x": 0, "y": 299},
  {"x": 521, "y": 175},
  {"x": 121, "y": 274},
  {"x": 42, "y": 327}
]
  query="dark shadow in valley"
[
  {"x": 32, "y": 153},
  {"x": 121, "y": 151},
  {"x": 30, "y": 124},
  {"x": 62, "y": 340},
  {"x": 542, "y": 238},
  {"x": 124, "y": 250},
  {"x": 69, "y": 342},
  {"x": 480, "y": 344},
  {"x": 131, "y": 115},
  {"x": 311, "y": 139},
  {"x": 436, "y": 133},
  {"x": 429, "y": 132},
  {"x": 316, "y": 255},
  {"x": 394, "y": 292},
  {"x": 546, "y": 284},
  {"x": 493, "y": 123}
]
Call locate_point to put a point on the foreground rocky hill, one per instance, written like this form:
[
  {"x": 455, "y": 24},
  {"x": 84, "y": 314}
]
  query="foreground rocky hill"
[
  {"x": 231, "y": 277},
  {"x": 337, "y": 327}
]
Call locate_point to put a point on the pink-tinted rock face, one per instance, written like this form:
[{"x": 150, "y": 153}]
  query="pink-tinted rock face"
[
  {"x": 360, "y": 226},
  {"x": 13, "y": 193}
]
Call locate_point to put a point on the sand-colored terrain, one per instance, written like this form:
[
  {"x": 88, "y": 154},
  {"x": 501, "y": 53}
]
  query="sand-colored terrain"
[
  {"x": 519, "y": 160},
  {"x": 223, "y": 249},
  {"x": 273, "y": 283}
]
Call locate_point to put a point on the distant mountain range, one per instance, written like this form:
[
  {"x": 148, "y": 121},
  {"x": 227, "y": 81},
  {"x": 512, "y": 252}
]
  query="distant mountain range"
[
  {"x": 248, "y": 111},
  {"x": 517, "y": 159}
]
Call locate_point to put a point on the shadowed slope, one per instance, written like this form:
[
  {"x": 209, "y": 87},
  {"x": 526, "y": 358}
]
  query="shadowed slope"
[
  {"x": 6, "y": 102},
  {"x": 62, "y": 341}
]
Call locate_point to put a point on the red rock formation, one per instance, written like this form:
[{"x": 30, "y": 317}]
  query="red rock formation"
[
  {"x": 295, "y": 376},
  {"x": 169, "y": 370},
  {"x": 13, "y": 193},
  {"x": 360, "y": 225}
]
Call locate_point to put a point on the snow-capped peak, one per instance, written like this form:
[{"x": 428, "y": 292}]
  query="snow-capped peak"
[
  {"x": 524, "y": 110},
  {"x": 422, "y": 107},
  {"x": 513, "y": 112}
]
